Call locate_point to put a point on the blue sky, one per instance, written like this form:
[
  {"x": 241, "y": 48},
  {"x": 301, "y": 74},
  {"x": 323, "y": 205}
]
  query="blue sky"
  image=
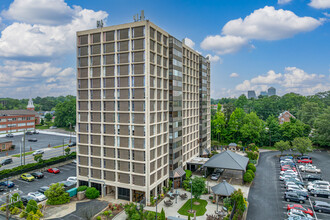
[{"x": 252, "y": 44}]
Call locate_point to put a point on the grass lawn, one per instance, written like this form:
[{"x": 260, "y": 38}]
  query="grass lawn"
[
  {"x": 60, "y": 146},
  {"x": 42, "y": 127},
  {"x": 27, "y": 153},
  {"x": 200, "y": 209}
]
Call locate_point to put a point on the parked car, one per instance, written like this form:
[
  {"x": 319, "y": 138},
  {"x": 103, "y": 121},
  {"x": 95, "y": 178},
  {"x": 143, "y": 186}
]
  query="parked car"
[
  {"x": 285, "y": 157},
  {"x": 53, "y": 170},
  {"x": 67, "y": 183},
  {"x": 37, "y": 175},
  {"x": 303, "y": 166},
  {"x": 304, "y": 157},
  {"x": 289, "y": 172},
  {"x": 310, "y": 170},
  {"x": 26, "y": 199},
  {"x": 37, "y": 196},
  {"x": 7, "y": 183},
  {"x": 312, "y": 177},
  {"x": 6, "y": 161},
  {"x": 72, "y": 179},
  {"x": 287, "y": 167},
  {"x": 215, "y": 176},
  {"x": 52, "y": 127},
  {"x": 29, "y": 133},
  {"x": 301, "y": 208},
  {"x": 43, "y": 189},
  {"x": 35, "y": 132},
  {"x": 295, "y": 181},
  {"x": 293, "y": 197},
  {"x": 299, "y": 192},
  {"x": 10, "y": 135},
  {"x": 74, "y": 161},
  {"x": 305, "y": 161},
  {"x": 295, "y": 212},
  {"x": 72, "y": 144},
  {"x": 288, "y": 177},
  {"x": 320, "y": 193},
  {"x": 219, "y": 170},
  {"x": 296, "y": 187},
  {"x": 318, "y": 184},
  {"x": 38, "y": 152},
  {"x": 27, "y": 177},
  {"x": 320, "y": 206},
  {"x": 33, "y": 139}
]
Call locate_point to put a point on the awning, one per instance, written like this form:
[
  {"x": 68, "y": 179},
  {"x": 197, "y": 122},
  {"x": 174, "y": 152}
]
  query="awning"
[
  {"x": 223, "y": 189},
  {"x": 178, "y": 172},
  {"x": 232, "y": 145}
]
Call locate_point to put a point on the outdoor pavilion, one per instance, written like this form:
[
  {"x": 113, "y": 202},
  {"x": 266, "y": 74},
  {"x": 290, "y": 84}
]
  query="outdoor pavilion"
[
  {"x": 227, "y": 160},
  {"x": 222, "y": 189}
]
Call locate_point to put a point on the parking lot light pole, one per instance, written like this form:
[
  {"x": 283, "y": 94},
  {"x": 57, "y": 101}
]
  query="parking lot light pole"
[
  {"x": 190, "y": 195},
  {"x": 24, "y": 146},
  {"x": 156, "y": 198}
]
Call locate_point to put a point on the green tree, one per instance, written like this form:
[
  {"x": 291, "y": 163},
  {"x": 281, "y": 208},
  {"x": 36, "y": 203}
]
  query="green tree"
[
  {"x": 92, "y": 193},
  {"x": 282, "y": 146},
  {"x": 251, "y": 128},
  {"x": 321, "y": 134},
  {"x": 302, "y": 145},
  {"x": 293, "y": 129},
  {"x": 198, "y": 187},
  {"x": 273, "y": 132},
  {"x": 228, "y": 109},
  {"x": 56, "y": 195},
  {"x": 308, "y": 113},
  {"x": 236, "y": 121},
  {"x": 218, "y": 125},
  {"x": 42, "y": 122},
  {"x": 48, "y": 117},
  {"x": 241, "y": 102},
  {"x": 38, "y": 158},
  {"x": 65, "y": 113},
  {"x": 32, "y": 206},
  {"x": 162, "y": 215},
  {"x": 67, "y": 151}
]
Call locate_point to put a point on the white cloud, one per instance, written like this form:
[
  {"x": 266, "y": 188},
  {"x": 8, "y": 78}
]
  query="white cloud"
[
  {"x": 214, "y": 58},
  {"x": 46, "y": 12},
  {"x": 270, "y": 24},
  {"x": 189, "y": 43},
  {"x": 292, "y": 80},
  {"x": 224, "y": 44},
  {"x": 35, "y": 40},
  {"x": 18, "y": 78},
  {"x": 282, "y": 2},
  {"x": 320, "y": 4},
  {"x": 234, "y": 75},
  {"x": 326, "y": 14}
]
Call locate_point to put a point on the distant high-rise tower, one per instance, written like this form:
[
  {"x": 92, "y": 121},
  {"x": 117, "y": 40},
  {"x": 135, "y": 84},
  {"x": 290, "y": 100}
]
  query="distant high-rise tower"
[
  {"x": 30, "y": 105},
  {"x": 271, "y": 91},
  {"x": 252, "y": 94},
  {"x": 263, "y": 93}
]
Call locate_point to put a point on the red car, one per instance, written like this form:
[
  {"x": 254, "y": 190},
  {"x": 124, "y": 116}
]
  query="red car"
[
  {"x": 305, "y": 161},
  {"x": 53, "y": 170},
  {"x": 301, "y": 208},
  {"x": 287, "y": 167}
]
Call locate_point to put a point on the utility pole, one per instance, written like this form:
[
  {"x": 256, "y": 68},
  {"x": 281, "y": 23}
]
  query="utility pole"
[{"x": 70, "y": 133}]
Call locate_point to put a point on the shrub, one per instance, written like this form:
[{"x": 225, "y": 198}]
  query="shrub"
[
  {"x": 188, "y": 173},
  {"x": 32, "y": 206},
  {"x": 82, "y": 188},
  {"x": 92, "y": 193},
  {"x": 210, "y": 197},
  {"x": 15, "y": 211},
  {"x": 251, "y": 172},
  {"x": 251, "y": 166},
  {"x": 252, "y": 155},
  {"x": 56, "y": 195},
  {"x": 23, "y": 214},
  {"x": 40, "y": 206},
  {"x": 98, "y": 218},
  {"x": 247, "y": 177},
  {"x": 38, "y": 213}
]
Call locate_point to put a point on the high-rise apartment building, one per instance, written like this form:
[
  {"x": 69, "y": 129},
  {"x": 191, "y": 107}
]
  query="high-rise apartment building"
[
  {"x": 143, "y": 108},
  {"x": 271, "y": 91},
  {"x": 252, "y": 94}
]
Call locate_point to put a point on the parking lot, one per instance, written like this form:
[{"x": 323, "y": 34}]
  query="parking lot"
[
  {"x": 24, "y": 187},
  {"x": 43, "y": 141},
  {"x": 266, "y": 194}
]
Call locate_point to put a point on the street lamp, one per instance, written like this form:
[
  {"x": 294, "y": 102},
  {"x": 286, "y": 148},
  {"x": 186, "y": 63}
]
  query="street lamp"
[
  {"x": 190, "y": 195},
  {"x": 156, "y": 198}
]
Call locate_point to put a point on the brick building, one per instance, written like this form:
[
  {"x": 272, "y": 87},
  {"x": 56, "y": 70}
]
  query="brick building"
[
  {"x": 4, "y": 146},
  {"x": 285, "y": 117}
]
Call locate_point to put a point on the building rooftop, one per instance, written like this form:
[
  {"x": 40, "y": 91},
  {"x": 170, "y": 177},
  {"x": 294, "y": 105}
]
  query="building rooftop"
[{"x": 17, "y": 112}]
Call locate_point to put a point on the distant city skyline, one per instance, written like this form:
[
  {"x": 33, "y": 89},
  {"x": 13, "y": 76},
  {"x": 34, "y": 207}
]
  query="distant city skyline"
[{"x": 277, "y": 52}]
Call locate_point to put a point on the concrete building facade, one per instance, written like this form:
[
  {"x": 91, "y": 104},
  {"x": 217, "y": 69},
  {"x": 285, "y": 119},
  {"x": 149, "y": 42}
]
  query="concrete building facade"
[{"x": 138, "y": 108}]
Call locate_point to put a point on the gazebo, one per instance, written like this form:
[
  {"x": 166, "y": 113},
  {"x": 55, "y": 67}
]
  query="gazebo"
[{"x": 222, "y": 189}]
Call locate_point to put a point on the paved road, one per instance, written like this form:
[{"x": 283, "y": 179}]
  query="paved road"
[
  {"x": 43, "y": 141},
  {"x": 266, "y": 193},
  {"x": 49, "y": 153}
]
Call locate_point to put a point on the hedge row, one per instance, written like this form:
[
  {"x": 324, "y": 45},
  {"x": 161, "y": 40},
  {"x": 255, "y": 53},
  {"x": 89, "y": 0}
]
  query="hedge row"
[{"x": 33, "y": 166}]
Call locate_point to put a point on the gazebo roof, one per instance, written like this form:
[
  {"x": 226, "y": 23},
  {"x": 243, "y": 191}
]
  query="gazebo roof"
[
  {"x": 178, "y": 172},
  {"x": 223, "y": 189},
  {"x": 227, "y": 160},
  {"x": 232, "y": 145}
]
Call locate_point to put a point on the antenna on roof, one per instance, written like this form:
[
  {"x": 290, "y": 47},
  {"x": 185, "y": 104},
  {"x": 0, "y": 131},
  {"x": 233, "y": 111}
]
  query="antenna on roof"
[
  {"x": 99, "y": 24},
  {"x": 139, "y": 18}
]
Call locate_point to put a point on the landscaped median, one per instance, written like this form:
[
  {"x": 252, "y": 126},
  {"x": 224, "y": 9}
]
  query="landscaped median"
[
  {"x": 27, "y": 153},
  {"x": 34, "y": 166},
  {"x": 199, "y": 205}
]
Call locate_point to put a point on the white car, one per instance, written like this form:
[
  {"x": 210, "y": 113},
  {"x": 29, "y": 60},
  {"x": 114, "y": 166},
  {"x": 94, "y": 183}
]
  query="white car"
[
  {"x": 288, "y": 172},
  {"x": 310, "y": 169},
  {"x": 37, "y": 196},
  {"x": 72, "y": 179},
  {"x": 306, "y": 165},
  {"x": 296, "y": 212},
  {"x": 318, "y": 187},
  {"x": 296, "y": 187},
  {"x": 38, "y": 152},
  {"x": 287, "y": 177}
]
